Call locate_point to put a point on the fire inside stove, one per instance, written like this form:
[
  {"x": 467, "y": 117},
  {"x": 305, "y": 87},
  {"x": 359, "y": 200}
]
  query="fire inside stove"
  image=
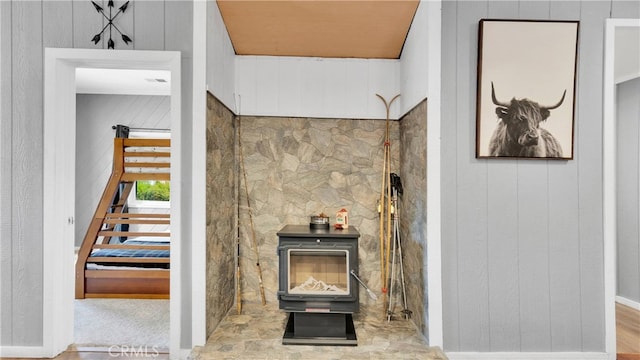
[{"x": 318, "y": 272}]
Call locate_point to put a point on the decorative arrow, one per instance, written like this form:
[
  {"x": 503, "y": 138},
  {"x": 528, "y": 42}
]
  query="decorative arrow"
[{"x": 110, "y": 43}]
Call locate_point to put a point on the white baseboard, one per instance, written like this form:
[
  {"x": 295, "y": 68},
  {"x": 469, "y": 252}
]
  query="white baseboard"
[
  {"x": 528, "y": 356},
  {"x": 25, "y": 352},
  {"x": 628, "y": 302}
]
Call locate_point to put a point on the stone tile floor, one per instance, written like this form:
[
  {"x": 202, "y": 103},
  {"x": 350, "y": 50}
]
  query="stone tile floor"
[{"x": 257, "y": 334}]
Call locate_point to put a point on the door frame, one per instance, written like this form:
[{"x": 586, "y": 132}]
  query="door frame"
[
  {"x": 59, "y": 183},
  {"x": 609, "y": 216}
]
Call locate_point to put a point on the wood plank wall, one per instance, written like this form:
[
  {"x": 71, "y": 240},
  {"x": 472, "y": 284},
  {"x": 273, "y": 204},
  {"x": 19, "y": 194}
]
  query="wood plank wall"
[
  {"x": 26, "y": 28},
  {"x": 320, "y": 88},
  {"x": 522, "y": 240},
  {"x": 6, "y": 247}
]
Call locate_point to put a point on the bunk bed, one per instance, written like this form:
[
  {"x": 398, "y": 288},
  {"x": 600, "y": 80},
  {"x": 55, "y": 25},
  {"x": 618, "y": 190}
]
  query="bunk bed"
[{"x": 119, "y": 257}]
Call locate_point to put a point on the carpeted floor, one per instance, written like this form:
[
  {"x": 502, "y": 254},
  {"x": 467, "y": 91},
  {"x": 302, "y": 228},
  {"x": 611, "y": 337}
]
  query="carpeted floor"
[{"x": 108, "y": 322}]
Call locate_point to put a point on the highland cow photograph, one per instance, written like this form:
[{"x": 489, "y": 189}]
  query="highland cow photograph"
[{"x": 526, "y": 89}]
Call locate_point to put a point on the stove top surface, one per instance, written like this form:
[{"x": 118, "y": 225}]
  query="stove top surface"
[{"x": 307, "y": 231}]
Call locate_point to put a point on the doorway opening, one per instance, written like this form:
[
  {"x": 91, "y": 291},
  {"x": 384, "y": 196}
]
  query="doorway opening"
[
  {"x": 117, "y": 316},
  {"x": 59, "y": 181},
  {"x": 621, "y": 64}
]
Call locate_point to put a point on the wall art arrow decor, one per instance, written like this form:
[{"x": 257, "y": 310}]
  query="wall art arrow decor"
[{"x": 110, "y": 44}]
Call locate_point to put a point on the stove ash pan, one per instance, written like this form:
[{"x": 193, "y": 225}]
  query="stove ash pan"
[{"x": 315, "y": 275}]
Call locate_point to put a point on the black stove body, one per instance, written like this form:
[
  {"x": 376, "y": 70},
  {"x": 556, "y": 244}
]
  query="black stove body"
[{"x": 316, "y": 286}]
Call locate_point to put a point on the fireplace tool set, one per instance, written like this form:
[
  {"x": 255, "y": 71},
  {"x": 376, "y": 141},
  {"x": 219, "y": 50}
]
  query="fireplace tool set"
[
  {"x": 371, "y": 294},
  {"x": 396, "y": 188},
  {"x": 388, "y": 209}
]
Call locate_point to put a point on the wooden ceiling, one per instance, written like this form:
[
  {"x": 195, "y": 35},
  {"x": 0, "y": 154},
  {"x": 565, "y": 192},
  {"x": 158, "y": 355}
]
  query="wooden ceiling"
[{"x": 319, "y": 28}]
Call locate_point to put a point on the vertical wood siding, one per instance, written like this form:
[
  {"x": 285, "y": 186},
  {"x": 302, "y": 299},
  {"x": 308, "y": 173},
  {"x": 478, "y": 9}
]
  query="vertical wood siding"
[
  {"x": 628, "y": 190},
  {"x": 220, "y": 59},
  {"x": 315, "y": 87},
  {"x": 6, "y": 226},
  {"x": 26, "y": 28},
  {"x": 522, "y": 240},
  {"x": 26, "y": 204}
]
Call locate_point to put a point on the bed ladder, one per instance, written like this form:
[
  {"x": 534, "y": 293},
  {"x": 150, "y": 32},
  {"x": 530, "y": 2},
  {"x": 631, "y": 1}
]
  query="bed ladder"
[{"x": 129, "y": 165}]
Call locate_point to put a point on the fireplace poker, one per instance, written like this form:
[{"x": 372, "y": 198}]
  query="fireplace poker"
[{"x": 371, "y": 294}]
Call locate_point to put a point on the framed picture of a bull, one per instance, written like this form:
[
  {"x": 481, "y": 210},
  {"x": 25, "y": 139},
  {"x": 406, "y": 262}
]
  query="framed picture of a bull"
[{"x": 526, "y": 89}]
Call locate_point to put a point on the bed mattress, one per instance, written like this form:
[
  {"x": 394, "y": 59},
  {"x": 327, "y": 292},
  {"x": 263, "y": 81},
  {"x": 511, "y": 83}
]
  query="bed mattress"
[{"x": 134, "y": 253}]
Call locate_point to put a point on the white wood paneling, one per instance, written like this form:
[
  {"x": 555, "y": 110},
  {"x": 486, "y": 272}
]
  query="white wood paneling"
[
  {"x": 383, "y": 80},
  {"x": 177, "y": 36},
  {"x": 414, "y": 79},
  {"x": 535, "y": 10},
  {"x": 288, "y": 86},
  {"x": 356, "y": 74},
  {"x": 471, "y": 223},
  {"x": 87, "y": 22},
  {"x": 533, "y": 235},
  {"x": 266, "y": 84},
  {"x": 148, "y": 28},
  {"x": 57, "y": 24},
  {"x": 125, "y": 23},
  {"x": 315, "y": 87},
  {"x": 27, "y": 193},
  {"x": 503, "y": 240},
  {"x": 623, "y": 9},
  {"x": 522, "y": 240},
  {"x": 533, "y": 251},
  {"x": 564, "y": 239},
  {"x": 221, "y": 75},
  {"x": 6, "y": 225},
  {"x": 310, "y": 79},
  {"x": 334, "y": 88}
]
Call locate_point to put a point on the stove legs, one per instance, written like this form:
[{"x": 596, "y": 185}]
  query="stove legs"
[{"x": 320, "y": 329}]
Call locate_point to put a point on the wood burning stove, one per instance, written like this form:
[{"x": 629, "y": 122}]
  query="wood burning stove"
[{"x": 316, "y": 286}]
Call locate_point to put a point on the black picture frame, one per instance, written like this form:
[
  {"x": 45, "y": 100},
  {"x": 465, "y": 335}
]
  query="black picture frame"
[{"x": 526, "y": 81}]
